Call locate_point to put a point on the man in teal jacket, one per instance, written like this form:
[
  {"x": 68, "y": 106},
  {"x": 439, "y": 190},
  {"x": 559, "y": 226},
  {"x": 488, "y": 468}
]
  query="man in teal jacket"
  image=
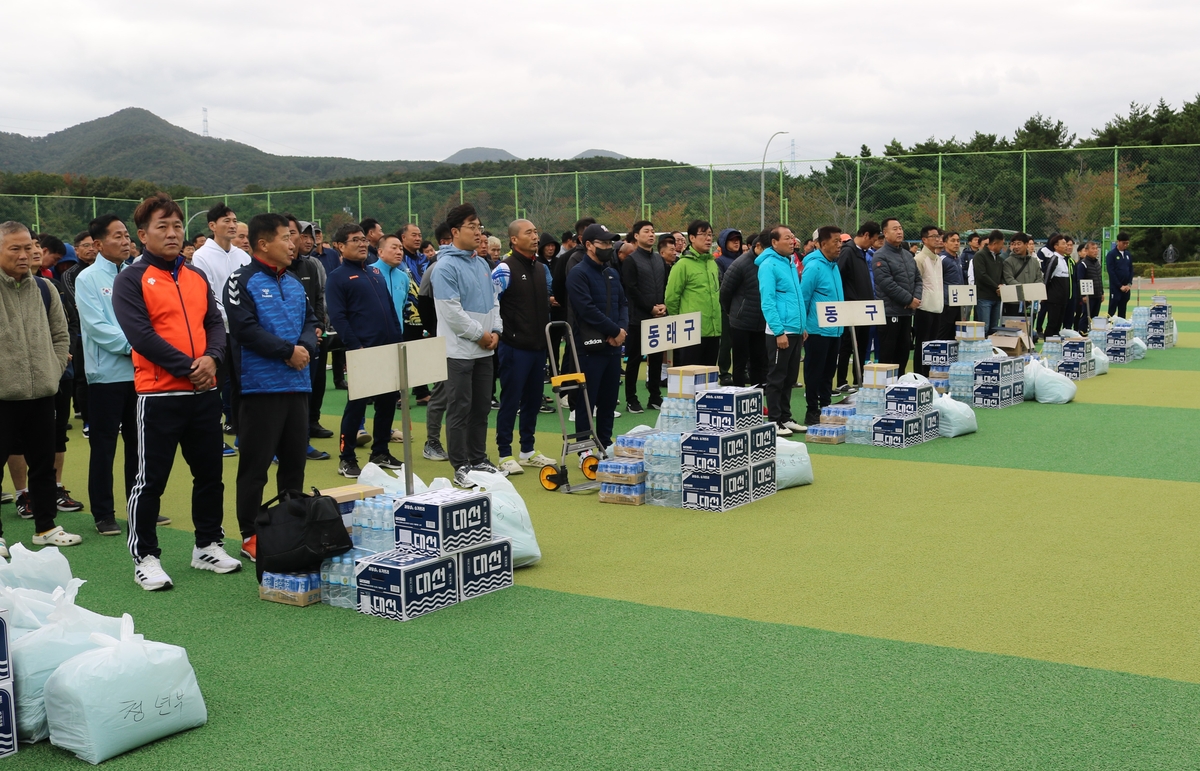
[
  {"x": 821, "y": 282},
  {"x": 779, "y": 289}
]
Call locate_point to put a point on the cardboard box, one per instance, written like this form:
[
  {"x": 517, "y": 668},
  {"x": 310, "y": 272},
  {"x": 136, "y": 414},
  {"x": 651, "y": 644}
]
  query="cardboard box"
[
  {"x": 284, "y": 597},
  {"x": 1158, "y": 327},
  {"x": 762, "y": 443},
  {"x": 1014, "y": 343},
  {"x": 762, "y": 480},
  {"x": 621, "y": 499},
  {"x": 996, "y": 372},
  {"x": 729, "y": 408},
  {"x": 1018, "y": 323},
  {"x": 825, "y": 434},
  {"x": 402, "y": 585},
  {"x": 715, "y": 453},
  {"x": 1118, "y": 355},
  {"x": 970, "y": 330},
  {"x": 1161, "y": 313},
  {"x": 892, "y": 431},
  {"x": 908, "y": 399},
  {"x": 716, "y": 492},
  {"x": 1018, "y": 390},
  {"x": 1100, "y": 324},
  {"x": 6, "y": 672},
  {"x": 1076, "y": 370},
  {"x": 686, "y": 382},
  {"x": 1156, "y": 342},
  {"x": 346, "y": 496},
  {"x": 880, "y": 375},
  {"x": 443, "y": 521},
  {"x": 931, "y": 425},
  {"x": 8, "y": 720},
  {"x": 1118, "y": 338},
  {"x": 939, "y": 352},
  {"x": 993, "y": 397},
  {"x": 486, "y": 568},
  {"x": 1077, "y": 349}
]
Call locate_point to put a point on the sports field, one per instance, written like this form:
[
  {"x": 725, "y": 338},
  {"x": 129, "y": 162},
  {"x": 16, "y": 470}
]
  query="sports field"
[{"x": 1023, "y": 597}]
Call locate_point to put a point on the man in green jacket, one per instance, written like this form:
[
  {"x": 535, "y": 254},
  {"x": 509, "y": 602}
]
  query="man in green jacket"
[
  {"x": 694, "y": 285},
  {"x": 34, "y": 345}
]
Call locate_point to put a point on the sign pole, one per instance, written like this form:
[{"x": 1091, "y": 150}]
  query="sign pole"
[
  {"x": 405, "y": 421},
  {"x": 858, "y": 365}
]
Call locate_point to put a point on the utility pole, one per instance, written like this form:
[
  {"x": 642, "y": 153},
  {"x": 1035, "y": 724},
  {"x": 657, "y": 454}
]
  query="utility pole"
[
  {"x": 205, "y": 132},
  {"x": 762, "y": 185}
]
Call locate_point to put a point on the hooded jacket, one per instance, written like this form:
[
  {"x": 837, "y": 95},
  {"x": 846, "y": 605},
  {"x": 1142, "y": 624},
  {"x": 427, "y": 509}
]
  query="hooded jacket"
[
  {"x": 107, "y": 354},
  {"x": 269, "y": 315},
  {"x": 725, "y": 261},
  {"x": 897, "y": 280},
  {"x": 854, "y": 266},
  {"x": 1021, "y": 270},
  {"x": 34, "y": 339},
  {"x": 465, "y": 299},
  {"x": 930, "y": 267},
  {"x": 821, "y": 282},
  {"x": 694, "y": 285},
  {"x": 597, "y": 300},
  {"x": 360, "y": 306},
  {"x": 644, "y": 276},
  {"x": 988, "y": 269},
  {"x": 779, "y": 289},
  {"x": 218, "y": 265},
  {"x": 740, "y": 298},
  {"x": 398, "y": 282}
]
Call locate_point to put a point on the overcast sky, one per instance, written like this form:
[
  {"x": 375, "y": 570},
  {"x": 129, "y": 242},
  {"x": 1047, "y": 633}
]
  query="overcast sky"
[{"x": 687, "y": 80}]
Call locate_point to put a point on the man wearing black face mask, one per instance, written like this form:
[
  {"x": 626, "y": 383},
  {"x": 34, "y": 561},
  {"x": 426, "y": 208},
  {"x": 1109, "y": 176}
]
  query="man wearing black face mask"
[{"x": 600, "y": 320}]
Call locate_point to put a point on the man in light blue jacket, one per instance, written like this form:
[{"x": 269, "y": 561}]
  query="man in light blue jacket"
[
  {"x": 820, "y": 282},
  {"x": 109, "y": 369},
  {"x": 779, "y": 290},
  {"x": 469, "y": 320}
]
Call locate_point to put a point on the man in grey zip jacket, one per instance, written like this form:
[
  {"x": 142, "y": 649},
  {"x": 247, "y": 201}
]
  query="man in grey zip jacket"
[{"x": 898, "y": 284}]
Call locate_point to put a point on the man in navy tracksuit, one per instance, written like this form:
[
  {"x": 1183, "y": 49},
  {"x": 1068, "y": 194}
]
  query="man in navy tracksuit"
[
  {"x": 1120, "y": 276},
  {"x": 273, "y": 328},
  {"x": 362, "y": 312},
  {"x": 601, "y": 314}
]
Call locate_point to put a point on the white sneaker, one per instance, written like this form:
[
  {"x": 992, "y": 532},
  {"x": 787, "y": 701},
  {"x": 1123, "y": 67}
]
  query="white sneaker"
[
  {"x": 214, "y": 558},
  {"x": 565, "y": 402},
  {"x": 149, "y": 575},
  {"x": 782, "y": 430},
  {"x": 56, "y": 537},
  {"x": 510, "y": 466},
  {"x": 3, "y": 548},
  {"x": 537, "y": 460},
  {"x": 794, "y": 426}
]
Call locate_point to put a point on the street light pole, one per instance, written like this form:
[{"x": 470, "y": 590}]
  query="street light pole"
[{"x": 762, "y": 185}]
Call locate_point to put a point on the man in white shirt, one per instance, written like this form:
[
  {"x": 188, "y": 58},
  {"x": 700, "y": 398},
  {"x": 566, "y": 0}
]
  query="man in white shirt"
[{"x": 217, "y": 258}]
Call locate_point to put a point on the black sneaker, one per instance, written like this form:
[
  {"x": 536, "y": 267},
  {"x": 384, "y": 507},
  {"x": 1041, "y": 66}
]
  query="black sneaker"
[
  {"x": 7, "y": 497},
  {"x": 108, "y": 527},
  {"x": 547, "y": 405},
  {"x": 66, "y": 502},
  {"x": 434, "y": 451},
  {"x": 162, "y": 521},
  {"x": 24, "y": 506},
  {"x": 725, "y": 380},
  {"x": 654, "y": 404},
  {"x": 317, "y": 431},
  {"x": 635, "y": 407},
  {"x": 495, "y": 404},
  {"x": 349, "y": 469},
  {"x": 487, "y": 466},
  {"x": 315, "y": 454},
  {"x": 228, "y": 429},
  {"x": 385, "y": 460},
  {"x": 460, "y": 476}
]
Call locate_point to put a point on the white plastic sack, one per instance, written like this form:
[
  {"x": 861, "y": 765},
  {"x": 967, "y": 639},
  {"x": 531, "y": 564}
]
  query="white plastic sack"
[
  {"x": 377, "y": 477},
  {"x": 912, "y": 377},
  {"x": 1101, "y": 359},
  {"x": 792, "y": 464},
  {"x": 125, "y": 693},
  {"x": 45, "y": 570},
  {"x": 1054, "y": 387},
  {"x": 1065, "y": 333},
  {"x": 1032, "y": 368},
  {"x": 954, "y": 417},
  {"x": 36, "y": 655},
  {"x": 510, "y": 517},
  {"x": 30, "y": 609},
  {"x": 1137, "y": 349},
  {"x": 438, "y": 483}
]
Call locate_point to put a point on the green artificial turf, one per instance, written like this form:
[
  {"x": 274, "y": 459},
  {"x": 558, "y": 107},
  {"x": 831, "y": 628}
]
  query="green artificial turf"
[{"x": 529, "y": 678}]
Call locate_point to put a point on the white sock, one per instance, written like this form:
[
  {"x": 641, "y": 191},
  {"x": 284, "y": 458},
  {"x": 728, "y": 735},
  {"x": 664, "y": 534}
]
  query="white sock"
[{"x": 527, "y": 455}]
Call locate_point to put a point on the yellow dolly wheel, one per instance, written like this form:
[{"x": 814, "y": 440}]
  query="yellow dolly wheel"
[
  {"x": 548, "y": 477},
  {"x": 590, "y": 464}
]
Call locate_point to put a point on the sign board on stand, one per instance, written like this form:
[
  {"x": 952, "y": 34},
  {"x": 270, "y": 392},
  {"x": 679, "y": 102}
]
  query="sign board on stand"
[
  {"x": 961, "y": 294},
  {"x": 851, "y": 313},
  {"x": 669, "y": 332},
  {"x": 1019, "y": 292},
  {"x": 1086, "y": 286}
]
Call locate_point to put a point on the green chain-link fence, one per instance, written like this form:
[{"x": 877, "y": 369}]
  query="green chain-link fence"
[{"x": 1088, "y": 193}]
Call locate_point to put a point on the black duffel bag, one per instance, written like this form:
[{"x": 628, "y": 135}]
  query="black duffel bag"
[{"x": 297, "y": 532}]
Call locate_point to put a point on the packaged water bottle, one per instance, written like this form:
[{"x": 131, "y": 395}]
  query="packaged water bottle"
[{"x": 324, "y": 575}]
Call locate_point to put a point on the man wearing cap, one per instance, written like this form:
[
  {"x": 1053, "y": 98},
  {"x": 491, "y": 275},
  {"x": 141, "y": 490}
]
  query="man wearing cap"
[{"x": 601, "y": 322}]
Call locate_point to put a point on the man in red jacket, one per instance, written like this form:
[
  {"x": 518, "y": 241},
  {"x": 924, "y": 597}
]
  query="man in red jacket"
[{"x": 168, "y": 314}]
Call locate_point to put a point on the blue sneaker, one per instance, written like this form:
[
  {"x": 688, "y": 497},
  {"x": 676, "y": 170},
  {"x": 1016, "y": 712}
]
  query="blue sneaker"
[
  {"x": 228, "y": 452},
  {"x": 315, "y": 454}
]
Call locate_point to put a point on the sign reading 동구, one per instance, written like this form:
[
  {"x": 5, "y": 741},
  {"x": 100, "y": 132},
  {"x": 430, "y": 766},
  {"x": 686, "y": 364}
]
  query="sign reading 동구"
[
  {"x": 667, "y": 332},
  {"x": 960, "y": 294},
  {"x": 852, "y": 313}
]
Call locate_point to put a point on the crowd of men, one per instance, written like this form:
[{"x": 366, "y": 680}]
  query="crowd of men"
[{"x": 176, "y": 344}]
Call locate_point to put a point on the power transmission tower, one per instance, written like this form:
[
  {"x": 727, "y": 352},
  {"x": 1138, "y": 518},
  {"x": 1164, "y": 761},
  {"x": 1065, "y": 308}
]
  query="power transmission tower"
[{"x": 206, "y": 128}]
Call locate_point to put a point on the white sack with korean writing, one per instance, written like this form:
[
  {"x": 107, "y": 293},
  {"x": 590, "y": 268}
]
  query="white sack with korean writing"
[{"x": 124, "y": 694}]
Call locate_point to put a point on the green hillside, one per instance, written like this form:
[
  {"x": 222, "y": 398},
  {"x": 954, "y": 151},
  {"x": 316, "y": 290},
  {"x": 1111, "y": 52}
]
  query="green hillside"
[{"x": 136, "y": 144}]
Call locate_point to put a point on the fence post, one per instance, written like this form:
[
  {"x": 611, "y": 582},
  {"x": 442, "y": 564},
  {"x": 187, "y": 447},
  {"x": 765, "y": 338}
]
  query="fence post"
[
  {"x": 941, "y": 213},
  {"x": 710, "y": 192},
  {"x": 94, "y": 215},
  {"x": 268, "y": 200},
  {"x": 461, "y": 197},
  {"x": 360, "y": 203},
  {"x": 1024, "y": 190},
  {"x": 186, "y": 219},
  {"x": 577, "y": 196},
  {"x": 857, "y": 193},
  {"x": 1116, "y": 193},
  {"x": 642, "y": 208},
  {"x": 410, "y": 217},
  {"x": 312, "y": 205},
  {"x": 782, "y": 218},
  {"x": 37, "y": 215},
  {"x": 516, "y": 200}
]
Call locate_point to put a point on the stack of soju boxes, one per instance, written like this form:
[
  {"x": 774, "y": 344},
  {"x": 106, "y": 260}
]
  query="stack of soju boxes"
[
  {"x": 909, "y": 417},
  {"x": 999, "y": 382},
  {"x": 1160, "y": 329},
  {"x": 729, "y": 460},
  {"x": 1076, "y": 362},
  {"x": 445, "y": 553},
  {"x": 939, "y": 356}
]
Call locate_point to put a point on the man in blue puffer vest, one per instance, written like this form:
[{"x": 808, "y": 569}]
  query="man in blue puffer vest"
[
  {"x": 779, "y": 293},
  {"x": 821, "y": 282},
  {"x": 273, "y": 328}
]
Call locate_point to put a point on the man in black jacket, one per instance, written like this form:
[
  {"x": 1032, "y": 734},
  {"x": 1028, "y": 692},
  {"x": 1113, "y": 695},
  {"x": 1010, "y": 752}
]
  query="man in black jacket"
[
  {"x": 898, "y": 284},
  {"x": 563, "y": 264},
  {"x": 644, "y": 275},
  {"x": 741, "y": 302},
  {"x": 857, "y": 284},
  {"x": 523, "y": 283}
]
